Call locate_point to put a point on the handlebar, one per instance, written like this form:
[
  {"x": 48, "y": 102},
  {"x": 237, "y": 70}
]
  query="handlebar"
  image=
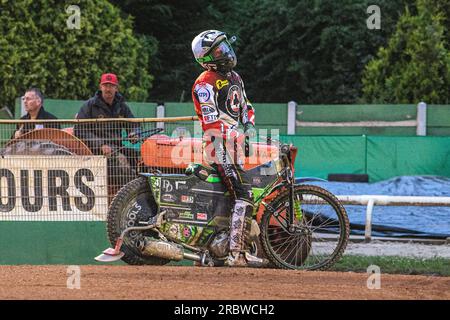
[{"x": 144, "y": 134}]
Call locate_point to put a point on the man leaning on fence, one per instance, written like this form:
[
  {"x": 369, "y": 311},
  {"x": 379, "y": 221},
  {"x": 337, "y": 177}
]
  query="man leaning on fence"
[
  {"x": 105, "y": 138},
  {"x": 34, "y": 105}
]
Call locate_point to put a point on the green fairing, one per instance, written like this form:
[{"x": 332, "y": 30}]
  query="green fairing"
[
  {"x": 155, "y": 182},
  {"x": 207, "y": 232},
  {"x": 212, "y": 179},
  {"x": 260, "y": 193},
  {"x": 298, "y": 209},
  {"x": 257, "y": 192}
]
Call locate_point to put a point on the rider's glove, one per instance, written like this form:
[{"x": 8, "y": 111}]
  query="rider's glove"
[{"x": 249, "y": 130}]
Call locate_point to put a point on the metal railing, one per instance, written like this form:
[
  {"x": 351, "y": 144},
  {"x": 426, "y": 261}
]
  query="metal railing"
[
  {"x": 420, "y": 122},
  {"x": 372, "y": 200}
]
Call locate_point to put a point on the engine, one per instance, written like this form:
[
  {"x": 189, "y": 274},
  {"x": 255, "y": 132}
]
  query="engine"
[{"x": 220, "y": 246}]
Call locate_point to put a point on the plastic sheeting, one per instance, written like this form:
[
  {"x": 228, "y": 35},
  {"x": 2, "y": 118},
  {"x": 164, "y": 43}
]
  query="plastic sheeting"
[{"x": 398, "y": 221}]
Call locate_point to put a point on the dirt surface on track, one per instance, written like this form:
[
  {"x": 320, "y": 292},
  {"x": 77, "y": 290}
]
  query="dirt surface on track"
[{"x": 179, "y": 282}]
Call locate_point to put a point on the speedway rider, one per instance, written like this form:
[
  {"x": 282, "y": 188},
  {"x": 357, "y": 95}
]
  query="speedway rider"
[{"x": 221, "y": 103}]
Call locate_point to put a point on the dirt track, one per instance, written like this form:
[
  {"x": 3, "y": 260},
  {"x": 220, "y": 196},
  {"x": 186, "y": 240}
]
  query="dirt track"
[{"x": 173, "y": 282}]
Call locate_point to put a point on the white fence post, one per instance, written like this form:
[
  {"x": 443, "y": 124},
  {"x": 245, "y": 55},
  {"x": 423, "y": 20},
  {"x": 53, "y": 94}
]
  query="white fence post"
[
  {"x": 22, "y": 107},
  {"x": 291, "y": 117},
  {"x": 368, "y": 231},
  {"x": 421, "y": 129},
  {"x": 160, "y": 113}
]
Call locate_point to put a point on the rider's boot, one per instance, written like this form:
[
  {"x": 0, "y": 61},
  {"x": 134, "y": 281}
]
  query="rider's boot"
[
  {"x": 245, "y": 259},
  {"x": 240, "y": 242}
]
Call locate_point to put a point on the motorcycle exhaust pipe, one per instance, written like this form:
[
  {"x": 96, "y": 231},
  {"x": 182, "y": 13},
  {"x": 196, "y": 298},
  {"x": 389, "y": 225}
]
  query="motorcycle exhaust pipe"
[
  {"x": 162, "y": 249},
  {"x": 171, "y": 251}
]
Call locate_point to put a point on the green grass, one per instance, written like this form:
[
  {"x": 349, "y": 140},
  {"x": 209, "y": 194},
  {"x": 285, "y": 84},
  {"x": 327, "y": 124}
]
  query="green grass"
[{"x": 395, "y": 264}]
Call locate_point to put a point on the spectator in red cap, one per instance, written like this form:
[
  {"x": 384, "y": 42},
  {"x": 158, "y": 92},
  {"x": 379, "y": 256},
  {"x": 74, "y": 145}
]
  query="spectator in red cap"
[
  {"x": 106, "y": 103},
  {"x": 106, "y": 138},
  {"x": 109, "y": 87}
]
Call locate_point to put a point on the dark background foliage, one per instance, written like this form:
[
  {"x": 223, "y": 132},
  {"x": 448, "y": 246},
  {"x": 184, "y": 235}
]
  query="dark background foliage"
[{"x": 311, "y": 51}]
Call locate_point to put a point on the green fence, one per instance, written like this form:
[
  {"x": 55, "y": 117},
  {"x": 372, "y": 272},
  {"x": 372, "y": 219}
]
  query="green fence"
[
  {"x": 355, "y": 113},
  {"x": 382, "y": 153},
  {"x": 275, "y": 115},
  {"x": 379, "y": 157},
  {"x": 438, "y": 119},
  {"x": 399, "y": 156},
  {"x": 48, "y": 242},
  {"x": 269, "y": 116}
]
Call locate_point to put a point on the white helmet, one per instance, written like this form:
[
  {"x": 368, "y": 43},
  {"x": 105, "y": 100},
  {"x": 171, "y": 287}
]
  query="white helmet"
[{"x": 213, "y": 51}]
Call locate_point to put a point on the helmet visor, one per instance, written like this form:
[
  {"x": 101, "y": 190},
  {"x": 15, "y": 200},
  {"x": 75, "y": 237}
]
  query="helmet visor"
[
  {"x": 223, "y": 50},
  {"x": 220, "y": 55}
]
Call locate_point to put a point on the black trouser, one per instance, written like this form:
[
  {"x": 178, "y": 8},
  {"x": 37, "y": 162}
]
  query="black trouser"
[
  {"x": 236, "y": 181},
  {"x": 232, "y": 172}
]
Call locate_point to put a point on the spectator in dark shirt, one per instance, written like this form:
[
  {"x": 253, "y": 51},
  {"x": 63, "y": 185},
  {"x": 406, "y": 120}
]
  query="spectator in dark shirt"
[
  {"x": 103, "y": 138},
  {"x": 33, "y": 101}
]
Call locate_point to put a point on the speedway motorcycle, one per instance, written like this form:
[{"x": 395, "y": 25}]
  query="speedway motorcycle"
[{"x": 158, "y": 218}]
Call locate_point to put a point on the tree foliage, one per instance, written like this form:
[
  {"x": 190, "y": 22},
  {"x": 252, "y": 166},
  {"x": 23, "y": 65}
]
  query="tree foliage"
[
  {"x": 310, "y": 51},
  {"x": 415, "y": 65},
  {"x": 174, "y": 24},
  {"x": 38, "y": 49}
]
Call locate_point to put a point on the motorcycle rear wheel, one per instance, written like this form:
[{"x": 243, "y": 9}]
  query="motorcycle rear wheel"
[
  {"x": 320, "y": 237},
  {"x": 133, "y": 203}
]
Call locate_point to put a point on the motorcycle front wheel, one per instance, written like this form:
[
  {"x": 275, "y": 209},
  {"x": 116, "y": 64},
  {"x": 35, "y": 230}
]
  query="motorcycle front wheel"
[
  {"x": 318, "y": 237},
  {"x": 134, "y": 203}
]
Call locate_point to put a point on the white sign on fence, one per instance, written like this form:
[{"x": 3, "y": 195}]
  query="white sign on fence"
[{"x": 53, "y": 188}]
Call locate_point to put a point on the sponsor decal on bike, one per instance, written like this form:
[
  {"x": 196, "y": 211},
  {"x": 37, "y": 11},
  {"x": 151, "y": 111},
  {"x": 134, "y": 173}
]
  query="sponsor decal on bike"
[
  {"x": 187, "y": 199},
  {"x": 171, "y": 214},
  {"x": 186, "y": 215},
  {"x": 202, "y": 216},
  {"x": 168, "y": 197},
  {"x": 187, "y": 232},
  {"x": 167, "y": 186},
  {"x": 256, "y": 180},
  {"x": 174, "y": 231},
  {"x": 180, "y": 185}
]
